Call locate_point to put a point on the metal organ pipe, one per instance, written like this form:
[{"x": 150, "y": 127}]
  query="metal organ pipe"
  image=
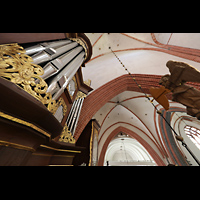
[
  {"x": 79, "y": 111},
  {"x": 70, "y": 113},
  {"x": 65, "y": 57},
  {"x": 66, "y": 74},
  {"x": 34, "y": 49},
  {"x": 57, "y": 64},
  {"x": 73, "y": 117},
  {"x": 42, "y": 46},
  {"x": 71, "y": 67},
  {"x": 52, "y": 52}
]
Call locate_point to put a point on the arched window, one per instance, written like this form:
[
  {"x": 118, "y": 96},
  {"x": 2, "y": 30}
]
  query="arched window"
[{"x": 194, "y": 134}]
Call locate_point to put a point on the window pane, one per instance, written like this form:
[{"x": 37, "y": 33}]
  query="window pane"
[{"x": 194, "y": 134}]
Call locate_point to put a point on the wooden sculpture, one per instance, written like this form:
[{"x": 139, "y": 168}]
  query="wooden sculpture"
[
  {"x": 159, "y": 95},
  {"x": 187, "y": 95}
]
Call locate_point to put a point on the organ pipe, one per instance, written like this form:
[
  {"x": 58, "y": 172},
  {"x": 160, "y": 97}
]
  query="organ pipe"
[
  {"x": 74, "y": 114},
  {"x": 57, "y": 64},
  {"x": 61, "y": 80},
  {"x": 64, "y": 59},
  {"x": 50, "y": 53},
  {"x": 45, "y": 45}
]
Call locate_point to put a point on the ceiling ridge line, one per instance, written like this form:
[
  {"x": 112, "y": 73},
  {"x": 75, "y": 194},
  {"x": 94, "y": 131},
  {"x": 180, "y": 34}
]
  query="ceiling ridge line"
[
  {"x": 111, "y": 102},
  {"x": 180, "y": 54},
  {"x": 106, "y": 117},
  {"x": 146, "y": 145},
  {"x": 138, "y": 119},
  {"x": 132, "y": 146},
  {"x": 94, "y": 100},
  {"x": 91, "y": 98},
  {"x": 144, "y": 125},
  {"x": 181, "y": 49},
  {"x": 134, "y": 38},
  {"x": 160, "y": 47},
  {"x": 160, "y": 149},
  {"x": 130, "y": 49},
  {"x": 169, "y": 38},
  {"x": 134, "y": 98},
  {"x": 97, "y": 39}
]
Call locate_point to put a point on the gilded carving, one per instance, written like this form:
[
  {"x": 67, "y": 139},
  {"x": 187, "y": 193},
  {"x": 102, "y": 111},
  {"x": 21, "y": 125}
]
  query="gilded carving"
[
  {"x": 61, "y": 102},
  {"x": 18, "y": 68},
  {"x": 82, "y": 43},
  {"x": 80, "y": 95},
  {"x": 66, "y": 136}
]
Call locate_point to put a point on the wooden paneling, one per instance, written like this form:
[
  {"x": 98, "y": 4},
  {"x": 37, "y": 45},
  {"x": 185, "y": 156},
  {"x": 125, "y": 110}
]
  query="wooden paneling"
[
  {"x": 29, "y": 37},
  {"x": 18, "y": 103}
]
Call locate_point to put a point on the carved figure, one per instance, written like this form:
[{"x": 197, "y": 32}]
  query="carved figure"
[{"x": 187, "y": 95}]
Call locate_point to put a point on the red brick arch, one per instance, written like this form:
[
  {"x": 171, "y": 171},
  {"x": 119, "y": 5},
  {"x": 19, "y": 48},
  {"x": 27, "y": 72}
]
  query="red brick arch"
[
  {"x": 150, "y": 150},
  {"x": 100, "y": 96}
]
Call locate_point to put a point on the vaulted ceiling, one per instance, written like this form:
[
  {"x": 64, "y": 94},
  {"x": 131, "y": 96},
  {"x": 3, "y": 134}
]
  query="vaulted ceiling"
[
  {"x": 130, "y": 111},
  {"x": 141, "y": 53}
]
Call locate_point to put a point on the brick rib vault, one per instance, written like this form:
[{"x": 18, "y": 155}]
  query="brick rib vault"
[{"x": 148, "y": 136}]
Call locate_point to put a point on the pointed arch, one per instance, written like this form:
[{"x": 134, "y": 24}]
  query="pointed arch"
[
  {"x": 150, "y": 150},
  {"x": 103, "y": 94}
]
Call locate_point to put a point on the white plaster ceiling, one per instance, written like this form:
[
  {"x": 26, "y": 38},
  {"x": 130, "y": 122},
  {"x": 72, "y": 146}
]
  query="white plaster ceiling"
[
  {"x": 104, "y": 67},
  {"x": 127, "y": 150},
  {"x": 136, "y": 114},
  {"x": 190, "y": 40}
]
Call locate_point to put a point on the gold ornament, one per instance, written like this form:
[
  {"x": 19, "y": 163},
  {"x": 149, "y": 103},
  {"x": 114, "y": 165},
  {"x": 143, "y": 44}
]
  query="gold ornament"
[
  {"x": 66, "y": 136},
  {"x": 18, "y": 68}
]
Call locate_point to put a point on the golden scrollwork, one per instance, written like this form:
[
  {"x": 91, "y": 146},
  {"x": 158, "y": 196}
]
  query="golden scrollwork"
[
  {"x": 82, "y": 43},
  {"x": 66, "y": 136},
  {"x": 80, "y": 95},
  {"x": 53, "y": 106},
  {"x": 62, "y": 103},
  {"x": 18, "y": 68}
]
